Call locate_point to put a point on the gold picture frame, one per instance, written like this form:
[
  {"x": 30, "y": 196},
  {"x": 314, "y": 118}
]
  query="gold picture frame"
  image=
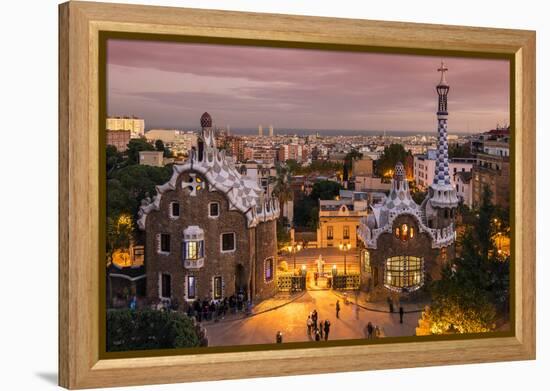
[{"x": 83, "y": 26}]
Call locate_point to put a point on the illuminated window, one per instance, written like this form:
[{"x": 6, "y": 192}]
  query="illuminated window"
[
  {"x": 217, "y": 287},
  {"x": 366, "y": 261},
  {"x": 194, "y": 249},
  {"x": 191, "y": 287},
  {"x": 346, "y": 231},
  {"x": 404, "y": 232},
  {"x": 330, "y": 232},
  {"x": 268, "y": 269},
  {"x": 404, "y": 272}
]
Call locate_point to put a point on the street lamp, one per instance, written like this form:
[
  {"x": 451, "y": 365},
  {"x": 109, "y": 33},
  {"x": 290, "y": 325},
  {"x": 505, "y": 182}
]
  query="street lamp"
[
  {"x": 294, "y": 248},
  {"x": 345, "y": 248}
]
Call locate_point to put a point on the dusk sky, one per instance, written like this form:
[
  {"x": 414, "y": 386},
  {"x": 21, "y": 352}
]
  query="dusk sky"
[{"x": 171, "y": 84}]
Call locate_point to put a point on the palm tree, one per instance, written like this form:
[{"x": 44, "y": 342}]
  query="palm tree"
[{"x": 282, "y": 189}]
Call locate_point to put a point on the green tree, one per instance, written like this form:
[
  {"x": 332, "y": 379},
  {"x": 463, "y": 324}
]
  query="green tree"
[
  {"x": 282, "y": 189},
  {"x": 474, "y": 291},
  {"x": 135, "y": 146},
  {"x": 293, "y": 166},
  {"x": 113, "y": 158},
  {"x": 306, "y": 210},
  {"x": 119, "y": 233},
  {"x": 345, "y": 175},
  {"x": 148, "y": 329},
  {"x": 159, "y": 145},
  {"x": 325, "y": 190},
  {"x": 130, "y": 184},
  {"x": 283, "y": 234},
  {"x": 390, "y": 156},
  {"x": 459, "y": 150}
]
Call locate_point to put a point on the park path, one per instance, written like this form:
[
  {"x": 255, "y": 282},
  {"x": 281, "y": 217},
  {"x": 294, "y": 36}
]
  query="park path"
[{"x": 291, "y": 318}]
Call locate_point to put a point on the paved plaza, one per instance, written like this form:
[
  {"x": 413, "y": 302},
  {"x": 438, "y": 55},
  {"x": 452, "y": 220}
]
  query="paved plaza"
[{"x": 291, "y": 318}]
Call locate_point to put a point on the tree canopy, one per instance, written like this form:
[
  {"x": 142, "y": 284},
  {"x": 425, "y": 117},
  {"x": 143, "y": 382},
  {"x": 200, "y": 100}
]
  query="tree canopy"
[
  {"x": 325, "y": 190},
  {"x": 474, "y": 290},
  {"x": 390, "y": 156},
  {"x": 306, "y": 210},
  {"x": 135, "y": 146},
  {"x": 147, "y": 329},
  {"x": 459, "y": 150}
]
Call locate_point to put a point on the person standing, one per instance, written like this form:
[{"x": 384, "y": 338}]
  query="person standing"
[
  {"x": 327, "y": 329},
  {"x": 401, "y": 312},
  {"x": 314, "y": 319},
  {"x": 337, "y": 309},
  {"x": 309, "y": 324},
  {"x": 317, "y": 336},
  {"x": 279, "y": 337},
  {"x": 321, "y": 329},
  {"x": 390, "y": 303},
  {"x": 370, "y": 329}
]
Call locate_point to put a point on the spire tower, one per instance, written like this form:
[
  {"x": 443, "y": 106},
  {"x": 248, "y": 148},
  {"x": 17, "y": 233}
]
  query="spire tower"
[{"x": 442, "y": 193}]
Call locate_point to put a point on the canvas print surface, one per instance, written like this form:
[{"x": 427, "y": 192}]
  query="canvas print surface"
[{"x": 265, "y": 196}]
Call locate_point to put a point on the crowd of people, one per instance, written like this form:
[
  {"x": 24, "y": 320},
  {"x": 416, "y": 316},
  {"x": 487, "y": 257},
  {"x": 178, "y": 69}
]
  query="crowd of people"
[
  {"x": 212, "y": 309},
  {"x": 317, "y": 329}
]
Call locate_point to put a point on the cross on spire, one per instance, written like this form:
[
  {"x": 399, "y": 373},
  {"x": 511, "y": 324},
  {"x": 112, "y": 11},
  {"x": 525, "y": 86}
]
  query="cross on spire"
[{"x": 443, "y": 68}]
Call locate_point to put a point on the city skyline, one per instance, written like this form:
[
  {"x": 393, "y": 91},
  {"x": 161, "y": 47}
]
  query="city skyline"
[{"x": 167, "y": 84}]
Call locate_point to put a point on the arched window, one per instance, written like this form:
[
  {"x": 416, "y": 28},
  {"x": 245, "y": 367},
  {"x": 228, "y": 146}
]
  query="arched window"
[
  {"x": 404, "y": 273},
  {"x": 404, "y": 232}
]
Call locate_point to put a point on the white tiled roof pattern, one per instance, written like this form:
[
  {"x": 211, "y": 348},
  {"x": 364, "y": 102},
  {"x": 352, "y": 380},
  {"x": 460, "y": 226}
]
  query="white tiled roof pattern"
[{"x": 243, "y": 194}]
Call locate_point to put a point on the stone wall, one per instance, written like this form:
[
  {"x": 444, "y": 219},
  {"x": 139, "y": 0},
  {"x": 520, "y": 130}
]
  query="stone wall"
[
  {"x": 194, "y": 211},
  {"x": 265, "y": 239},
  {"x": 419, "y": 246}
]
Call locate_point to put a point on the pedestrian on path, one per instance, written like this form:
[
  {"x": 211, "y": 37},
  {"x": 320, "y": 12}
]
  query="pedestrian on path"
[
  {"x": 370, "y": 329},
  {"x": 321, "y": 329},
  {"x": 401, "y": 312},
  {"x": 279, "y": 337},
  {"x": 390, "y": 303},
  {"x": 317, "y": 336},
  {"x": 309, "y": 324},
  {"x": 337, "y": 308},
  {"x": 314, "y": 318},
  {"x": 327, "y": 329}
]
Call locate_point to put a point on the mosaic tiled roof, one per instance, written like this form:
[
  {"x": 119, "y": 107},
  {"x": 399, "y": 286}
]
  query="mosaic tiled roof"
[
  {"x": 399, "y": 202},
  {"x": 243, "y": 193},
  {"x": 206, "y": 120}
]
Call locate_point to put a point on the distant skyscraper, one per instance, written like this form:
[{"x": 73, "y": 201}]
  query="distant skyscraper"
[
  {"x": 270, "y": 130},
  {"x": 260, "y": 130}
]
